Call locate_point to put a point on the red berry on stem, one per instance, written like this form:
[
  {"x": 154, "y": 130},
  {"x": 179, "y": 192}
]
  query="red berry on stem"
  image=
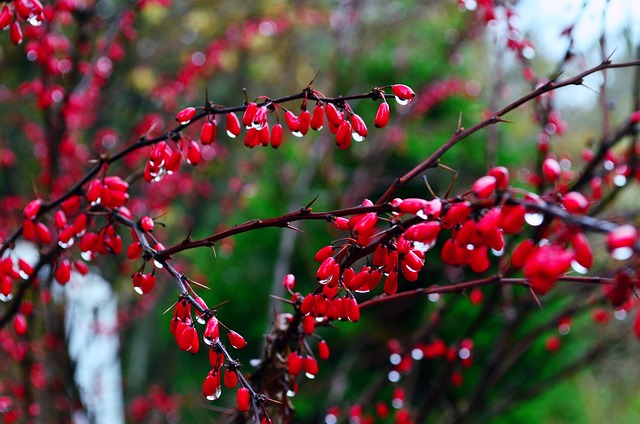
[
  {"x": 276, "y": 136},
  {"x": 382, "y": 116},
  {"x": 243, "y": 398},
  {"x": 249, "y": 113},
  {"x": 404, "y": 94},
  {"x": 186, "y": 115},
  {"x": 233, "y": 125},
  {"x": 236, "y": 340},
  {"x": 208, "y": 133},
  {"x": 317, "y": 118}
]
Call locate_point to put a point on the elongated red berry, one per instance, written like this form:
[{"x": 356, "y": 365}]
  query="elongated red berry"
[
  {"x": 382, "y": 115},
  {"x": 317, "y": 118},
  {"x": 276, "y": 136},
  {"x": 32, "y": 209},
  {"x": 292, "y": 123},
  {"x": 304, "y": 122},
  {"x": 208, "y": 133},
  {"x": 294, "y": 363},
  {"x": 323, "y": 350},
  {"x": 358, "y": 128},
  {"x": 20, "y": 324},
  {"x": 233, "y": 125},
  {"x": 333, "y": 115},
  {"x": 15, "y": 33},
  {"x": 323, "y": 253},
  {"x": 343, "y": 136},
  {"x": 484, "y": 186},
  {"x": 236, "y": 340},
  {"x": 242, "y": 399},
  {"x": 404, "y": 94},
  {"x": 249, "y": 113},
  {"x": 424, "y": 232},
  {"x": 211, "y": 386},
  {"x": 6, "y": 17},
  {"x": 230, "y": 378},
  {"x": 186, "y": 115},
  {"x": 146, "y": 222},
  {"x": 62, "y": 273},
  {"x": 193, "y": 153}
]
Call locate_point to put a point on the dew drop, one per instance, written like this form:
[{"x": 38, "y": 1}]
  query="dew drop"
[
  {"x": 434, "y": 297},
  {"x": 464, "y": 353},
  {"x": 184, "y": 122},
  {"x": 309, "y": 376},
  {"x": 291, "y": 393},
  {"x": 67, "y": 244},
  {"x": 578, "y": 268},
  {"x": 533, "y": 218},
  {"x": 23, "y": 275},
  {"x": 157, "y": 264},
  {"x": 330, "y": 419},
  {"x": 35, "y": 21},
  {"x": 6, "y": 298},
  {"x": 417, "y": 354},
  {"x": 230, "y": 134},
  {"x": 216, "y": 395},
  {"x": 397, "y": 403},
  {"x": 297, "y": 133},
  {"x": 564, "y": 329},
  {"x": 87, "y": 255},
  {"x": 497, "y": 253},
  {"x": 402, "y": 102},
  {"x": 620, "y": 314},
  {"x": 622, "y": 253},
  {"x": 620, "y": 180},
  {"x": 207, "y": 340},
  {"x": 258, "y": 126},
  {"x": 200, "y": 319},
  {"x": 608, "y": 165},
  {"x": 357, "y": 137},
  {"x": 138, "y": 290},
  {"x": 393, "y": 376},
  {"x": 395, "y": 359}
]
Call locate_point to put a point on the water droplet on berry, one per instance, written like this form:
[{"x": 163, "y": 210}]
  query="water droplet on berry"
[
  {"x": 402, "y": 102},
  {"x": 67, "y": 244},
  {"x": 297, "y": 133},
  {"x": 291, "y": 393},
  {"x": 6, "y": 298},
  {"x": 434, "y": 297},
  {"x": 357, "y": 137},
  {"x": 138, "y": 290},
  {"x": 216, "y": 394},
  {"x": 620, "y": 314},
  {"x": 578, "y": 268},
  {"x": 533, "y": 218},
  {"x": 393, "y": 376},
  {"x": 622, "y": 253},
  {"x": 159, "y": 265}
]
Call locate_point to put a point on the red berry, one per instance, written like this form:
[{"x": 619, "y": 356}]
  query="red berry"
[
  {"x": 294, "y": 363},
  {"x": 208, "y": 133},
  {"x": 289, "y": 282},
  {"x": 484, "y": 186},
  {"x": 230, "y": 378},
  {"x": 186, "y": 115},
  {"x": 233, "y": 125},
  {"x": 242, "y": 399},
  {"x": 317, "y": 118},
  {"x": 276, "y": 136},
  {"x": 20, "y": 324},
  {"x": 382, "y": 116},
  {"x": 146, "y": 222},
  {"x": 249, "y": 113},
  {"x": 323, "y": 350},
  {"x": 551, "y": 169},
  {"x": 404, "y": 94},
  {"x": 236, "y": 340}
]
